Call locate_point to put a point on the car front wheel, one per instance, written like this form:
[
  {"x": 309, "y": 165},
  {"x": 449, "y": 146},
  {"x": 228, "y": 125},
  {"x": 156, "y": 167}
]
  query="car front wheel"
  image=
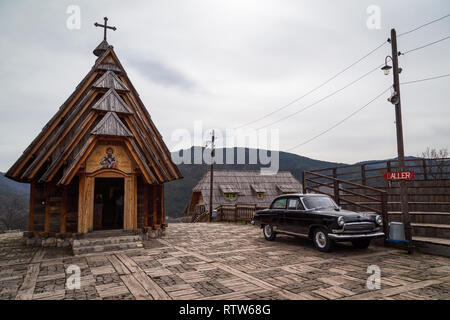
[
  {"x": 321, "y": 240},
  {"x": 269, "y": 234},
  {"x": 361, "y": 244}
]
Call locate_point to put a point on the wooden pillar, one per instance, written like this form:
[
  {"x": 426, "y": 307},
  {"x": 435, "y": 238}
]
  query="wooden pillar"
[
  {"x": 146, "y": 206},
  {"x": 162, "y": 205},
  {"x": 47, "y": 208},
  {"x": 89, "y": 203},
  {"x": 31, "y": 208},
  {"x": 81, "y": 187},
  {"x": 86, "y": 204},
  {"x": 130, "y": 205},
  {"x": 155, "y": 205},
  {"x": 135, "y": 202},
  {"x": 127, "y": 203},
  {"x": 63, "y": 210}
]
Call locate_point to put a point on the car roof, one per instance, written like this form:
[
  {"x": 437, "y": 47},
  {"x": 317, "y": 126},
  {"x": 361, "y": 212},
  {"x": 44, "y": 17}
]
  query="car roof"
[{"x": 301, "y": 195}]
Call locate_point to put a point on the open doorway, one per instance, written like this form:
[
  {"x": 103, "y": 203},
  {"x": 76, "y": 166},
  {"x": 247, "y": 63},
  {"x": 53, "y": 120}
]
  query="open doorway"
[{"x": 108, "y": 203}]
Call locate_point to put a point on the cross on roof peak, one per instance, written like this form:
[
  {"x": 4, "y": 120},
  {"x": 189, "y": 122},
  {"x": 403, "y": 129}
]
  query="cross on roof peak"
[{"x": 105, "y": 26}]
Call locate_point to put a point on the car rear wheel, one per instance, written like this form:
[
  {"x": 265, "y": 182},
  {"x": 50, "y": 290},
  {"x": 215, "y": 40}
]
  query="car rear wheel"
[
  {"x": 321, "y": 240},
  {"x": 361, "y": 244},
  {"x": 269, "y": 234}
]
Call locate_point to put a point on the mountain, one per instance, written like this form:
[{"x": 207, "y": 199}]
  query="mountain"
[
  {"x": 177, "y": 193},
  {"x": 12, "y": 187},
  {"x": 13, "y": 203}
]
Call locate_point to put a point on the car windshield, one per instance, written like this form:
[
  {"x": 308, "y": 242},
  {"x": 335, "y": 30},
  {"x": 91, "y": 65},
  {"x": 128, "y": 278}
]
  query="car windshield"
[{"x": 321, "y": 202}]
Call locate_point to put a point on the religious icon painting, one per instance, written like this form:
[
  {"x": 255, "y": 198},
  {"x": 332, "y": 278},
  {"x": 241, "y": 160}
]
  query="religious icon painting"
[{"x": 109, "y": 161}]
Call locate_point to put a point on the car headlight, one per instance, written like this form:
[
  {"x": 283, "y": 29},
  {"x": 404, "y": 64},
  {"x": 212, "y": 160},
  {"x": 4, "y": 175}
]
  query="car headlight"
[
  {"x": 340, "y": 221},
  {"x": 379, "y": 220}
]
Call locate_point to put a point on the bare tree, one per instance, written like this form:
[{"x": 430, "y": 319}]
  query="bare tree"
[
  {"x": 437, "y": 163},
  {"x": 14, "y": 215}
]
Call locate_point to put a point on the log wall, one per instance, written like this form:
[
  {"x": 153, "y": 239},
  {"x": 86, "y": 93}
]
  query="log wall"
[
  {"x": 56, "y": 209},
  {"x": 39, "y": 207}
]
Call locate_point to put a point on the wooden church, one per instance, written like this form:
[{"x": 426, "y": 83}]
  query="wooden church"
[{"x": 99, "y": 163}]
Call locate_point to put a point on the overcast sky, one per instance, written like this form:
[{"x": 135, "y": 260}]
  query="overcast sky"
[{"x": 229, "y": 62}]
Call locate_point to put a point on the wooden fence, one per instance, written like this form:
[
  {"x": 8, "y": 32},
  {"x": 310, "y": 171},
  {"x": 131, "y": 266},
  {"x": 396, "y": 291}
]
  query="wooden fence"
[
  {"x": 238, "y": 212},
  {"x": 371, "y": 173}
]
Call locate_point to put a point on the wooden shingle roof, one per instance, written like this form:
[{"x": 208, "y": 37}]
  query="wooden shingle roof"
[
  {"x": 87, "y": 115},
  {"x": 111, "y": 125},
  {"x": 111, "y": 101},
  {"x": 110, "y": 81},
  {"x": 246, "y": 183}
]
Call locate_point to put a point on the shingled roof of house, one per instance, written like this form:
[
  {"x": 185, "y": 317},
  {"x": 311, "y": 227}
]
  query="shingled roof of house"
[
  {"x": 104, "y": 104},
  {"x": 246, "y": 183}
]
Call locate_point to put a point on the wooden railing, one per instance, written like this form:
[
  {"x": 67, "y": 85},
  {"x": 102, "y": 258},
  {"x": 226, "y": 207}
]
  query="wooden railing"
[
  {"x": 371, "y": 173},
  {"x": 342, "y": 190},
  {"x": 199, "y": 211}
]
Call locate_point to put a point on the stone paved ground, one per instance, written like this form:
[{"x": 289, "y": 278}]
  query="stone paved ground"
[{"x": 220, "y": 261}]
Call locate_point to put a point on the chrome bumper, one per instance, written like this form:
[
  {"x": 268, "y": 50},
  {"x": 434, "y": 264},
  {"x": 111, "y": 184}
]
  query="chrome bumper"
[{"x": 335, "y": 236}]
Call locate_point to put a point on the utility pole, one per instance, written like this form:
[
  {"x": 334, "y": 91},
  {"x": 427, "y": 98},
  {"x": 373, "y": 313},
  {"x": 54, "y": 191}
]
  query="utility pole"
[
  {"x": 211, "y": 207},
  {"x": 400, "y": 147}
]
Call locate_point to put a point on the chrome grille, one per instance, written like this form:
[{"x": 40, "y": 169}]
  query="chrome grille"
[{"x": 359, "y": 227}]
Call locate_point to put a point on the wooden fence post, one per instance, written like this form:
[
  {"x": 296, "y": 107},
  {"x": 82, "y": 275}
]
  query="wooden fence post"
[
  {"x": 425, "y": 175},
  {"x": 385, "y": 215},
  {"x": 363, "y": 175},
  {"x": 304, "y": 182},
  {"x": 336, "y": 187}
]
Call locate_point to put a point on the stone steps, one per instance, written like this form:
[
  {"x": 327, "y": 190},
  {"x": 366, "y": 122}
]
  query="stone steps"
[
  {"x": 420, "y": 206},
  {"x": 422, "y": 217},
  {"x": 104, "y": 244},
  {"x": 431, "y": 230},
  {"x": 431, "y": 245}
]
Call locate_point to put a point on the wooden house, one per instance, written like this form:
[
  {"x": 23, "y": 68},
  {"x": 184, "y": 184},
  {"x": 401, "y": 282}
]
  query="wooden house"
[
  {"x": 100, "y": 162},
  {"x": 234, "y": 189}
]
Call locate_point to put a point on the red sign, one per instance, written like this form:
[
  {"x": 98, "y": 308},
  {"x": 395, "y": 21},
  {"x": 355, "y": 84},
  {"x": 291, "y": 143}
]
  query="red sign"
[{"x": 402, "y": 175}]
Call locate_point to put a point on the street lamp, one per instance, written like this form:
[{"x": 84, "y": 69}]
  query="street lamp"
[{"x": 386, "y": 67}]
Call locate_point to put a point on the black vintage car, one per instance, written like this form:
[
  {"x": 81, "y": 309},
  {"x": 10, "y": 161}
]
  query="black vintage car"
[{"x": 319, "y": 218}]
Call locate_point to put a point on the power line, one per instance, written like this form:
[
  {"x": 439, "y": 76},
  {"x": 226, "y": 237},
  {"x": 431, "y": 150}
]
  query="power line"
[
  {"x": 364, "y": 106},
  {"x": 340, "y": 122},
  {"x": 314, "y": 89},
  {"x": 426, "y": 79},
  {"x": 424, "y": 25},
  {"x": 347, "y": 68},
  {"x": 425, "y": 45},
  {"x": 322, "y": 99}
]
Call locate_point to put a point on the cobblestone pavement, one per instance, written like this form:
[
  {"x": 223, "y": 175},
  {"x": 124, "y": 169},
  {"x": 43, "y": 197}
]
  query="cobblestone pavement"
[{"x": 220, "y": 261}]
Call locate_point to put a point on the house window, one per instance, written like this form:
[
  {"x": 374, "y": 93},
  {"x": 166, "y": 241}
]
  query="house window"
[
  {"x": 259, "y": 195},
  {"x": 230, "y": 196},
  {"x": 279, "y": 204}
]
